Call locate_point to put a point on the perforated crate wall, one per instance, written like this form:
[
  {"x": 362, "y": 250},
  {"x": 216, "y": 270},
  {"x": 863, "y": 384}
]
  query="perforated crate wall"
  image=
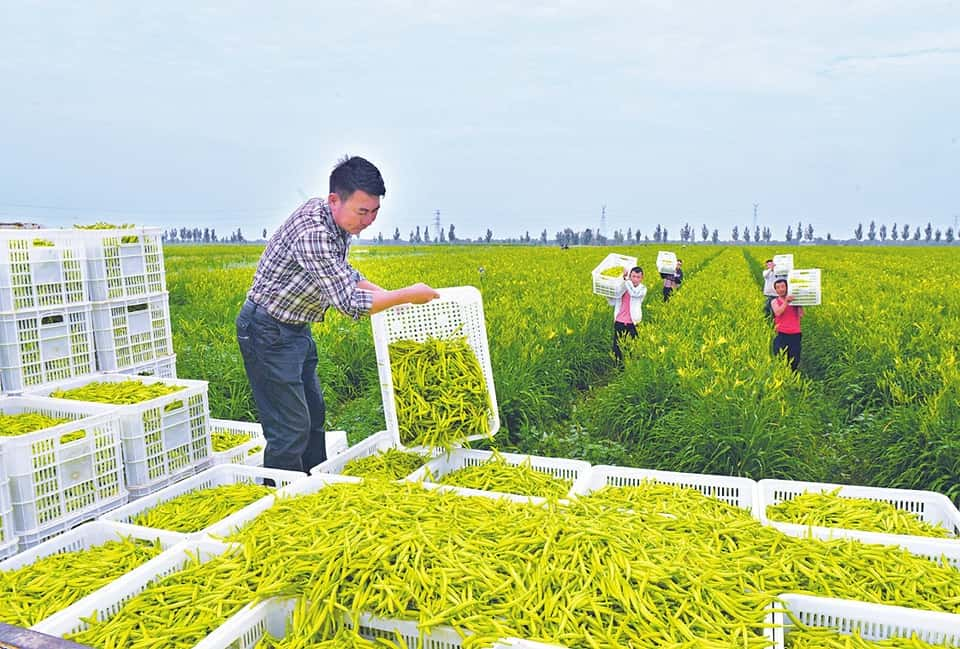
[
  {"x": 164, "y": 368},
  {"x": 164, "y": 438},
  {"x": 56, "y": 480},
  {"x": 249, "y": 452},
  {"x": 123, "y": 263},
  {"x": 37, "y": 347},
  {"x": 8, "y": 540},
  {"x": 131, "y": 332},
  {"x": 457, "y": 312},
  {"x": 41, "y": 269}
]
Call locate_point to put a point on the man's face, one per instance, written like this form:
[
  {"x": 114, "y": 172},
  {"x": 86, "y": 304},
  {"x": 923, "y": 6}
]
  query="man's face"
[
  {"x": 770, "y": 265},
  {"x": 780, "y": 288},
  {"x": 356, "y": 213},
  {"x": 635, "y": 277}
]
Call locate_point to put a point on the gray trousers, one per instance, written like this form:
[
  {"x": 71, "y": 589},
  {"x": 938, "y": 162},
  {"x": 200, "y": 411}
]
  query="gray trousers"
[{"x": 281, "y": 364}]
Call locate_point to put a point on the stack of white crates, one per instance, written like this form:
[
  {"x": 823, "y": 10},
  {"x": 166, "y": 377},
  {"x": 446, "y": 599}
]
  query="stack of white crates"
[{"x": 77, "y": 306}]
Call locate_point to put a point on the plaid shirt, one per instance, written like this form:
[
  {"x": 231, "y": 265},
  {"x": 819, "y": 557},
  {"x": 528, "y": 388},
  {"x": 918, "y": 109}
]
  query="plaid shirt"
[{"x": 304, "y": 270}]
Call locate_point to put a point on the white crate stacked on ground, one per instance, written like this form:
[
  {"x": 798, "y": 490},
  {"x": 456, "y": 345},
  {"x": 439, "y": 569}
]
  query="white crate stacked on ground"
[
  {"x": 376, "y": 443},
  {"x": 217, "y": 476},
  {"x": 666, "y": 262},
  {"x": 928, "y": 506},
  {"x": 131, "y": 332},
  {"x": 109, "y": 600},
  {"x": 874, "y": 622},
  {"x": 249, "y": 452},
  {"x": 274, "y": 616},
  {"x": 164, "y": 368},
  {"x": 124, "y": 263},
  {"x": 40, "y": 346},
  {"x": 87, "y": 536},
  {"x": 607, "y": 285},
  {"x": 576, "y": 471},
  {"x": 41, "y": 269},
  {"x": 55, "y": 485},
  {"x": 457, "y": 312},
  {"x": 804, "y": 285},
  {"x": 739, "y": 492},
  {"x": 8, "y": 540},
  {"x": 165, "y": 438}
]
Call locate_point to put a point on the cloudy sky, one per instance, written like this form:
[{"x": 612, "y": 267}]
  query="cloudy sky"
[{"x": 517, "y": 116}]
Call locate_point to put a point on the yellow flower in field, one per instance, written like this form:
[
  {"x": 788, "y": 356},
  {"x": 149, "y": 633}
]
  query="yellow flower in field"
[
  {"x": 569, "y": 331},
  {"x": 551, "y": 334}
]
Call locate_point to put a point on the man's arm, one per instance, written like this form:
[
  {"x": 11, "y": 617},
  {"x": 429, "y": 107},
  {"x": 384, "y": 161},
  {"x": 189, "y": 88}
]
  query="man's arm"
[
  {"x": 413, "y": 294},
  {"x": 779, "y": 305},
  {"x": 367, "y": 285}
]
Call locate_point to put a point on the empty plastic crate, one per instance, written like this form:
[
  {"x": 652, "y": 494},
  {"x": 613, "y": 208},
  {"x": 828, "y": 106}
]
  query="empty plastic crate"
[
  {"x": 37, "y": 347},
  {"x": 41, "y": 269},
  {"x": 56, "y": 482},
  {"x": 666, "y": 262},
  {"x": 607, "y": 285},
  {"x": 216, "y": 476},
  {"x": 164, "y": 438},
  {"x": 577, "y": 471},
  {"x": 804, "y": 285},
  {"x": 457, "y": 312},
  {"x": 874, "y": 622},
  {"x": 131, "y": 332},
  {"x": 125, "y": 262},
  {"x": 739, "y": 492}
]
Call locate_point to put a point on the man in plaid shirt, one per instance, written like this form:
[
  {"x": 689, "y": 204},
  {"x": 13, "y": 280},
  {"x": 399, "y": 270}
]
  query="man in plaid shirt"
[{"x": 303, "y": 272}]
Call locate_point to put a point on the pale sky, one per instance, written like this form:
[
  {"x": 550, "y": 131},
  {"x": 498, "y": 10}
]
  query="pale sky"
[{"x": 517, "y": 116}]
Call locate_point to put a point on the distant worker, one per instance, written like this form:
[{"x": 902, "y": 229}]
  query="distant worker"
[
  {"x": 768, "y": 291},
  {"x": 303, "y": 272},
  {"x": 786, "y": 319},
  {"x": 671, "y": 282},
  {"x": 628, "y": 308}
]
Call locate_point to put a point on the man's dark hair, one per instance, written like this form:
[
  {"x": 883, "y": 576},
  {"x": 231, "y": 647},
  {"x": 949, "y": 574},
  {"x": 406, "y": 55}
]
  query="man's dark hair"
[
  {"x": 636, "y": 269},
  {"x": 353, "y": 173},
  {"x": 768, "y": 261},
  {"x": 780, "y": 281}
]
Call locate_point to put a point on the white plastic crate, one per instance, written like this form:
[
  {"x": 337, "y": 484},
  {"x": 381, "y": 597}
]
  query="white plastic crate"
[
  {"x": 54, "y": 483},
  {"x": 164, "y": 368},
  {"x": 163, "y": 438},
  {"x": 131, "y": 332},
  {"x": 245, "y": 629},
  {"x": 666, "y": 262},
  {"x": 782, "y": 265},
  {"x": 336, "y": 461},
  {"x": 518, "y": 643},
  {"x": 739, "y": 492},
  {"x": 577, "y": 471},
  {"x": 37, "y": 347},
  {"x": 8, "y": 540},
  {"x": 928, "y": 506},
  {"x": 225, "y": 474},
  {"x": 106, "y": 602},
  {"x": 249, "y": 452},
  {"x": 874, "y": 622},
  {"x": 120, "y": 270},
  {"x": 607, "y": 286},
  {"x": 41, "y": 269},
  {"x": 804, "y": 285},
  {"x": 457, "y": 312}
]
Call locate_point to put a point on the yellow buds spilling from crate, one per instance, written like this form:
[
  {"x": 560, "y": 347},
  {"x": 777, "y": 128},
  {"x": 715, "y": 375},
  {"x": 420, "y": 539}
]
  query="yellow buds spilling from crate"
[
  {"x": 121, "y": 392},
  {"x": 440, "y": 391}
]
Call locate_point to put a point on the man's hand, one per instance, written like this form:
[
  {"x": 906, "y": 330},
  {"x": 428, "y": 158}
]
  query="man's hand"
[
  {"x": 420, "y": 293},
  {"x": 789, "y": 298}
]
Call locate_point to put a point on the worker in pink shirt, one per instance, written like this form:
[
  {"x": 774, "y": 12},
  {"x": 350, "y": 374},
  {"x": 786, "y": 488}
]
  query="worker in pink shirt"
[
  {"x": 786, "y": 322},
  {"x": 628, "y": 308}
]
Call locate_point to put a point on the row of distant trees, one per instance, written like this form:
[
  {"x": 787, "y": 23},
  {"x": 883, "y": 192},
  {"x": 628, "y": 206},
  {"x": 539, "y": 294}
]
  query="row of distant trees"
[{"x": 568, "y": 236}]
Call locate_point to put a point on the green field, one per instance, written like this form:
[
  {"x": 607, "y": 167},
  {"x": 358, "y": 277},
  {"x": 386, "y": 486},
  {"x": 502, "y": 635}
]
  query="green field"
[{"x": 877, "y": 400}]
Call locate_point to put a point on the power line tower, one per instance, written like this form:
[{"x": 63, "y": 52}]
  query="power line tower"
[
  {"x": 603, "y": 220},
  {"x": 436, "y": 224},
  {"x": 755, "y": 206}
]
